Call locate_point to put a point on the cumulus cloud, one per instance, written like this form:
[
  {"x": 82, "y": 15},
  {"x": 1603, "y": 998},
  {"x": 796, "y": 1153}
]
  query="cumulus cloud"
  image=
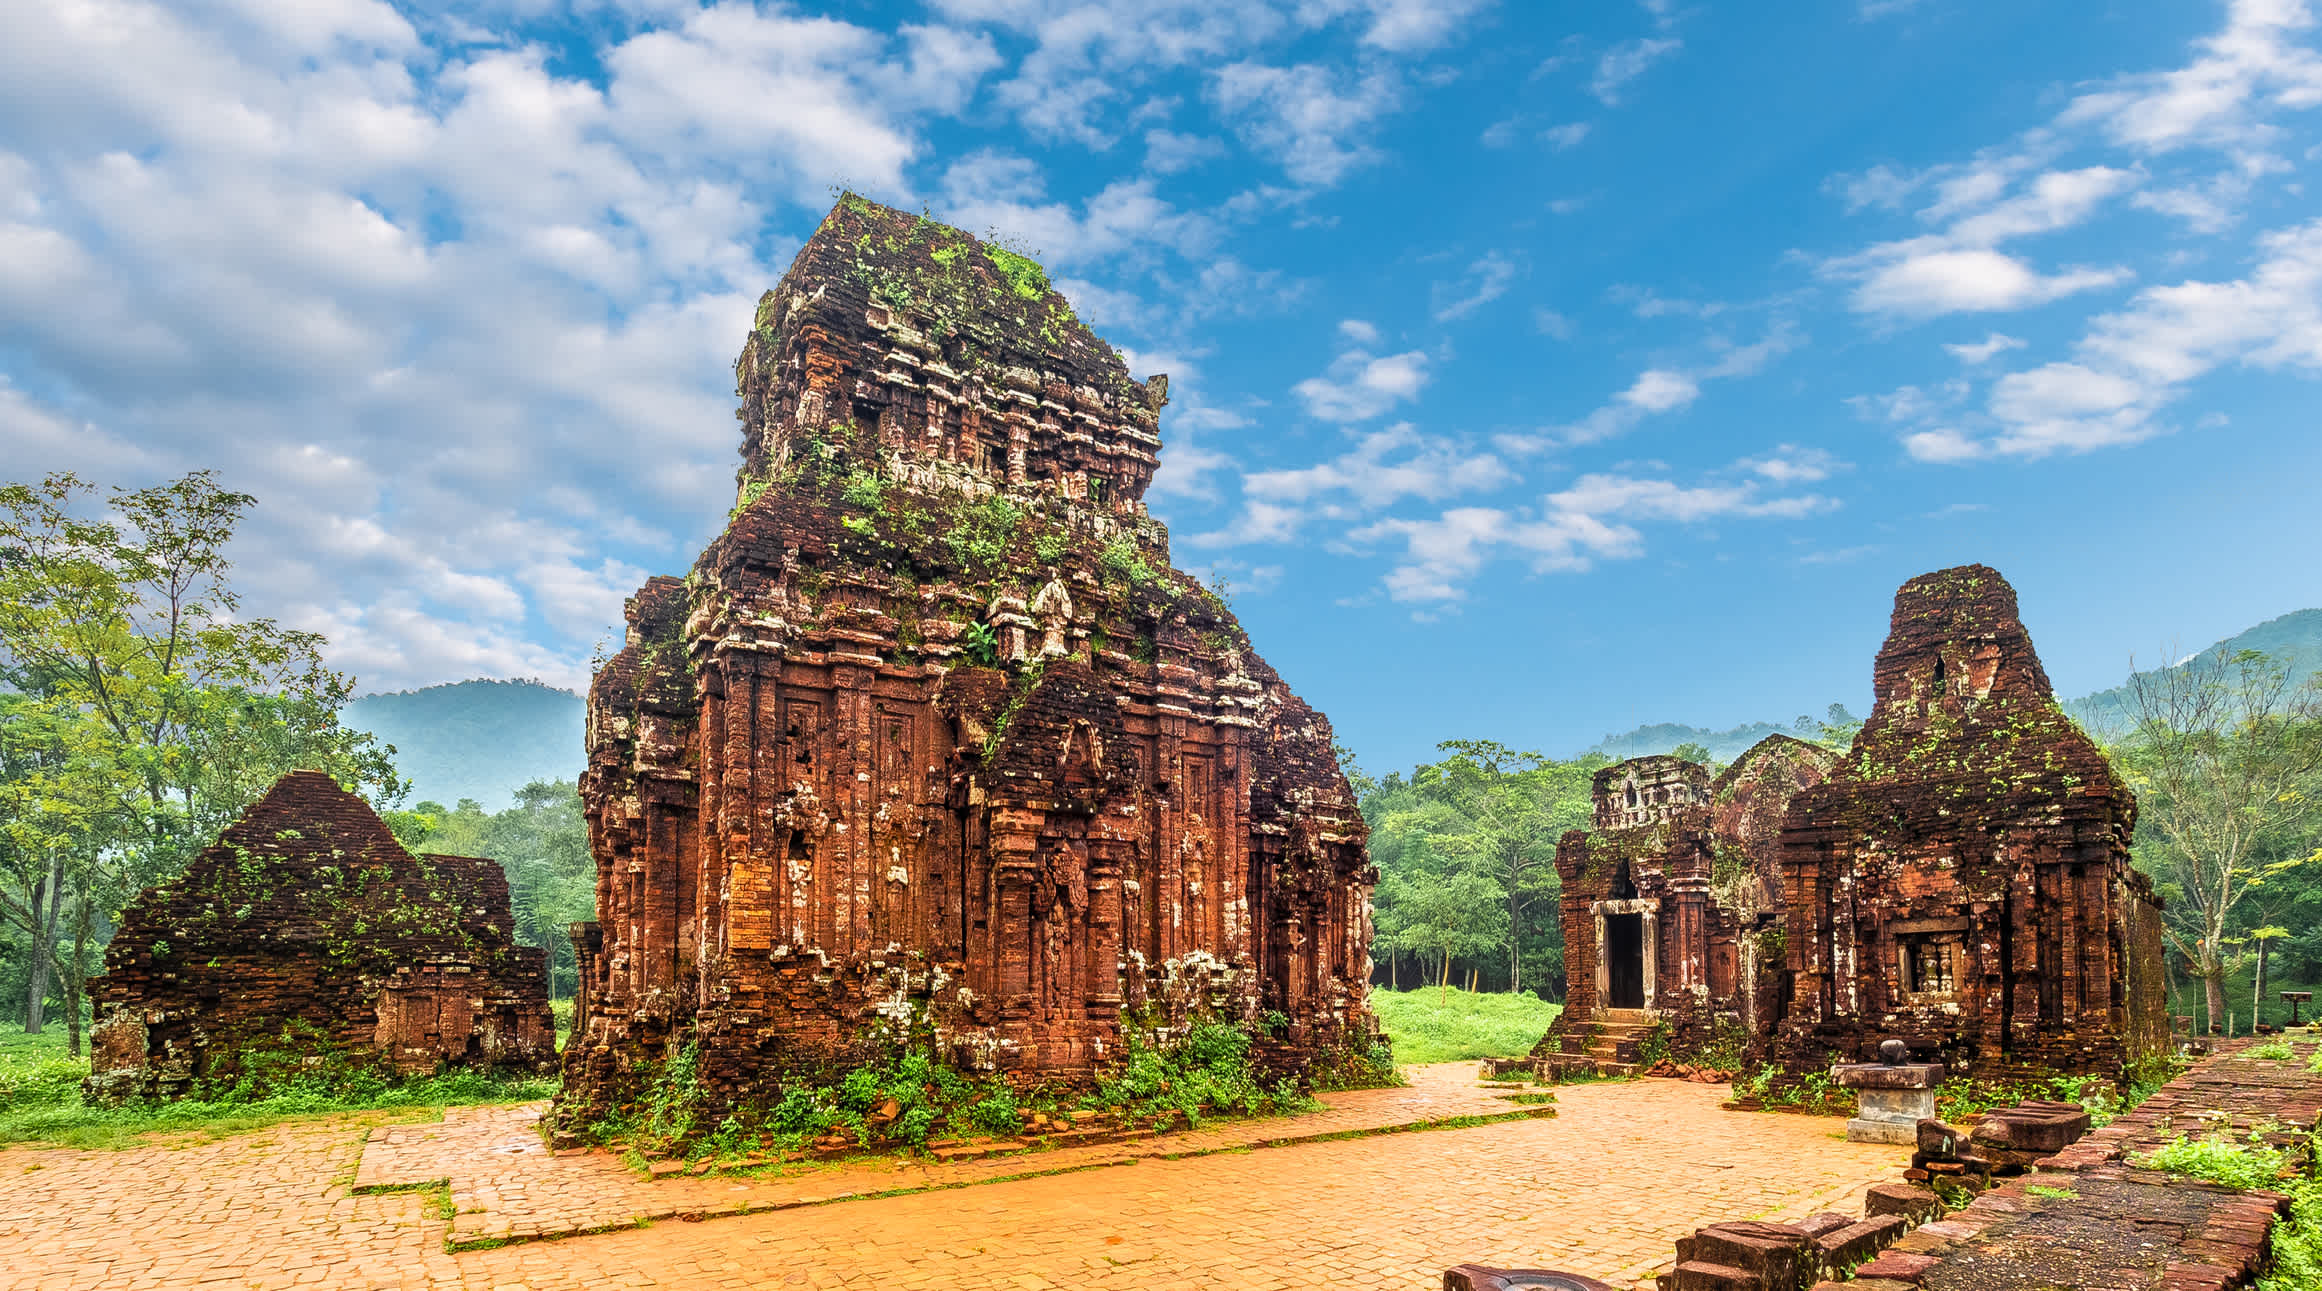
[
  {"x": 1962, "y": 269},
  {"x": 1360, "y": 385},
  {"x": 2221, "y": 99},
  {"x": 2132, "y": 363},
  {"x": 1382, "y": 468},
  {"x": 1595, "y": 518},
  {"x": 1311, "y": 118}
]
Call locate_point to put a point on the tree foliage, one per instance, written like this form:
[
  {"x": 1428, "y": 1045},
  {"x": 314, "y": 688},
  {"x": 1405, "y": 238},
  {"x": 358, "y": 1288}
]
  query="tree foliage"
[
  {"x": 542, "y": 842},
  {"x": 1465, "y": 849},
  {"x": 2225, "y": 754},
  {"x": 140, "y": 712}
]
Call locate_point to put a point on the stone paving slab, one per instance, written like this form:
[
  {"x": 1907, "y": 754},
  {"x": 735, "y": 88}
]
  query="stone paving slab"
[
  {"x": 1604, "y": 1188},
  {"x": 507, "y": 1186}
]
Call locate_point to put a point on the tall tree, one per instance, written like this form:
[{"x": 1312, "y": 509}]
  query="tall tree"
[
  {"x": 2225, "y": 754},
  {"x": 144, "y": 710}
]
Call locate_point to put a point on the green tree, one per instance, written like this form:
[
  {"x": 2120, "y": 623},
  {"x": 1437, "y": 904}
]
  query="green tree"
[
  {"x": 542, "y": 843},
  {"x": 2226, "y": 757},
  {"x": 144, "y": 711}
]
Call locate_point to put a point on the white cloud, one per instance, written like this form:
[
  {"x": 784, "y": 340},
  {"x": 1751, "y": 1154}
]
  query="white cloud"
[
  {"x": 1793, "y": 464},
  {"x": 1359, "y": 385},
  {"x": 1358, "y": 331},
  {"x": 1942, "y": 280},
  {"x": 1983, "y": 351},
  {"x": 1486, "y": 280},
  {"x": 2132, "y": 363},
  {"x": 1626, "y": 62},
  {"x": 1568, "y": 135},
  {"x": 1309, "y": 117},
  {"x": 1595, "y": 518},
  {"x": 1660, "y": 390},
  {"x": 1669, "y": 389},
  {"x": 2223, "y": 97}
]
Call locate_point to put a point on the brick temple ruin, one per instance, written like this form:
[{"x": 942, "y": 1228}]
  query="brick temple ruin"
[
  {"x": 1672, "y": 905},
  {"x": 307, "y": 931},
  {"x": 1961, "y": 880},
  {"x": 933, "y": 744}
]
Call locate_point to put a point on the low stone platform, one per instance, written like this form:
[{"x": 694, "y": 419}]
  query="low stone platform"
[{"x": 507, "y": 1186}]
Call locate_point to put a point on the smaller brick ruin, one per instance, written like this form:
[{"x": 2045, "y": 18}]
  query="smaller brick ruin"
[
  {"x": 305, "y": 933},
  {"x": 1671, "y": 906},
  {"x": 1961, "y": 881}
]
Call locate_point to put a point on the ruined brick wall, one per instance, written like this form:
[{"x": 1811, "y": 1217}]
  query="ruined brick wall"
[
  {"x": 305, "y": 929},
  {"x": 1692, "y": 861},
  {"x": 1961, "y": 881},
  {"x": 933, "y": 742}
]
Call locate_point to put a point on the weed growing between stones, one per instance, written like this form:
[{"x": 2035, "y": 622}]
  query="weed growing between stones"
[
  {"x": 2219, "y": 1159},
  {"x": 2275, "y": 1050}
]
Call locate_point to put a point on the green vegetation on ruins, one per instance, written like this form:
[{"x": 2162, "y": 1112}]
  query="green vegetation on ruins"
[
  {"x": 40, "y": 1096},
  {"x": 910, "y": 1098}
]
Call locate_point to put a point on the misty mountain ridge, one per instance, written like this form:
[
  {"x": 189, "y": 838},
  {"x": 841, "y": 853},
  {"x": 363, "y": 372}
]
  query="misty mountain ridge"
[{"x": 480, "y": 739}]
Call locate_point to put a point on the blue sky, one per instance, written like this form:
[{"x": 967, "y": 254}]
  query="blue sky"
[{"x": 1538, "y": 369}]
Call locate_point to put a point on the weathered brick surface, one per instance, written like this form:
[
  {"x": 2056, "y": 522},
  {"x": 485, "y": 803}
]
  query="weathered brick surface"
[
  {"x": 933, "y": 740},
  {"x": 1961, "y": 880},
  {"x": 307, "y": 930},
  {"x": 1672, "y": 904}
]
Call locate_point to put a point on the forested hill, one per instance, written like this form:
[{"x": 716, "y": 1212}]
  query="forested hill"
[
  {"x": 2294, "y": 639},
  {"x": 1661, "y": 737},
  {"x": 476, "y": 739}
]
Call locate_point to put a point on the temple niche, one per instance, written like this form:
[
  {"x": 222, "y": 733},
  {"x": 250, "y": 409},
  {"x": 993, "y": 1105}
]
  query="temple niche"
[
  {"x": 1961, "y": 880},
  {"x": 933, "y": 745},
  {"x": 307, "y": 932},
  {"x": 1671, "y": 905}
]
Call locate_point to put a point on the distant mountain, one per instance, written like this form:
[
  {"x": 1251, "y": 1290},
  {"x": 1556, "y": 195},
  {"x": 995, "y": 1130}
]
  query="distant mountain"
[
  {"x": 2295, "y": 639},
  {"x": 476, "y": 739},
  {"x": 1660, "y": 737}
]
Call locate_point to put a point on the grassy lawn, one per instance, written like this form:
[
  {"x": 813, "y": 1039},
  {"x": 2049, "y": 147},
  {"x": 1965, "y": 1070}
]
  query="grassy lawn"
[
  {"x": 1431, "y": 1026},
  {"x": 40, "y": 1099}
]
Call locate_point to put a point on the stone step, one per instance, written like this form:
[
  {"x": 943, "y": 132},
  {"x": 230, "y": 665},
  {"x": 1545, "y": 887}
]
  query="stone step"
[{"x": 1700, "y": 1275}]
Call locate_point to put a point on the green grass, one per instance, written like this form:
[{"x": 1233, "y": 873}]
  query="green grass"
[
  {"x": 1428, "y": 1026},
  {"x": 40, "y": 1099}
]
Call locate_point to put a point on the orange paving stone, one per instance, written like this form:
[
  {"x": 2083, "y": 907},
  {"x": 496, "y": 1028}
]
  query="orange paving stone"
[{"x": 1604, "y": 1188}]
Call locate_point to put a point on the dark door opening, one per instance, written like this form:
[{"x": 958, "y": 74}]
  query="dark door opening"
[{"x": 1624, "y": 961}]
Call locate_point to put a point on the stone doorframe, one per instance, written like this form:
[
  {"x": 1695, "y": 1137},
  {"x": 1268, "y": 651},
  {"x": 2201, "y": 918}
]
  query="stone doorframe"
[{"x": 1649, "y": 944}]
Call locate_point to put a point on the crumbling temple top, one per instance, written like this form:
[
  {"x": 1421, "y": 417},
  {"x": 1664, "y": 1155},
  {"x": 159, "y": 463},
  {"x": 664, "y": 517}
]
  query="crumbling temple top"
[
  {"x": 308, "y": 931},
  {"x": 1961, "y": 880},
  {"x": 934, "y": 745}
]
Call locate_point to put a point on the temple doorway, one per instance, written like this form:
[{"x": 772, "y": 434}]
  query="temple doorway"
[{"x": 1624, "y": 961}]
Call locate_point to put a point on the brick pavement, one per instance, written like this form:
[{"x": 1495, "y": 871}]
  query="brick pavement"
[
  {"x": 505, "y": 1185},
  {"x": 1604, "y": 1188}
]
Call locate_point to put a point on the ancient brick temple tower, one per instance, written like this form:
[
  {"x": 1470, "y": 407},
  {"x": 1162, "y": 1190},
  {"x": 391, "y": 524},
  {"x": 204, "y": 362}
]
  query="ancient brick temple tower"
[
  {"x": 1962, "y": 881},
  {"x": 1672, "y": 904},
  {"x": 306, "y": 930},
  {"x": 933, "y": 743}
]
